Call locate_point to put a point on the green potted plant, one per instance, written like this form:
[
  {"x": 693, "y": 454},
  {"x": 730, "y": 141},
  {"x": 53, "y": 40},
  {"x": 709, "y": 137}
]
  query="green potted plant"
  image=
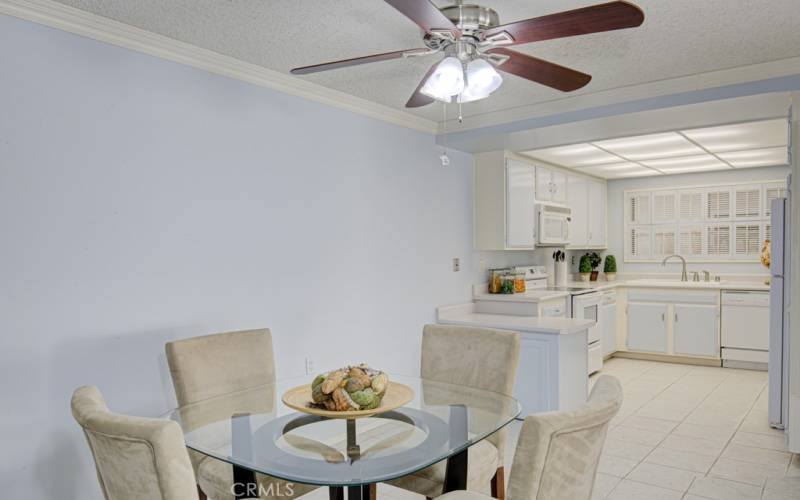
[
  {"x": 594, "y": 261},
  {"x": 610, "y": 268},
  {"x": 585, "y": 267}
]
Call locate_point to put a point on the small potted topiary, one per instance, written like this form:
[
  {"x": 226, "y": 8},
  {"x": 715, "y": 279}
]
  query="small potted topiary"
[
  {"x": 610, "y": 268},
  {"x": 585, "y": 267},
  {"x": 594, "y": 262}
]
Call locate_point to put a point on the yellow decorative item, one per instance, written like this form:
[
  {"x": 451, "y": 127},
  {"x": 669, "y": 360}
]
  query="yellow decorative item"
[{"x": 766, "y": 257}]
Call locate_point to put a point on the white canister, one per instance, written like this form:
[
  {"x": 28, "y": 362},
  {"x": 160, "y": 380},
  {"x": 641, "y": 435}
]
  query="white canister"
[{"x": 561, "y": 273}]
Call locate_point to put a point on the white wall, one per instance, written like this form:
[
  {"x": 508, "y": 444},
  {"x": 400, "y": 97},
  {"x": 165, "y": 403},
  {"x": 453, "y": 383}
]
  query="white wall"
[
  {"x": 143, "y": 201},
  {"x": 616, "y": 214}
]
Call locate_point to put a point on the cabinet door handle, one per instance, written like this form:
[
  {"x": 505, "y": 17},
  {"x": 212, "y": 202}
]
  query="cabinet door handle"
[
  {"x": 663, "y": 317},
  {"x": 676, "y": 317}
]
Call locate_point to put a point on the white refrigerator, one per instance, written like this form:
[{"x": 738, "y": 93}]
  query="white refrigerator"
[{"x": 780, "y": 249}]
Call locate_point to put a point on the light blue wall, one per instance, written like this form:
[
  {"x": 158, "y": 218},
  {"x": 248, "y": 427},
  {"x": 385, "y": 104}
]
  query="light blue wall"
[
  {"x": 616, "y": 214},
  {"x": 143, "y": 201}
]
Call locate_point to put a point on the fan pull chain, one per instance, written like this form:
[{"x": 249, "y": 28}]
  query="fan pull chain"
[
  {"x": 460, "y": 116},
  {"x": 444, "y": 158}
]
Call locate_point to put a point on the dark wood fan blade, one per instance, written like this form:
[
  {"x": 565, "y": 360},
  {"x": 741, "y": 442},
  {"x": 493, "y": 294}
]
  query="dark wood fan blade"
[
  {"x": 426, "y": 15},
  {"x": 418, "y": 99},
  {"x": 353, "y": 62},
  {"x": 594, "y": 19},
  {"x": 540, "y": 71}
]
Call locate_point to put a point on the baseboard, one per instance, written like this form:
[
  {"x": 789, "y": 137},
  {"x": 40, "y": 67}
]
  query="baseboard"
[
  {"x": 744, "y": 365},
  {"x": 665, "y": 358}
]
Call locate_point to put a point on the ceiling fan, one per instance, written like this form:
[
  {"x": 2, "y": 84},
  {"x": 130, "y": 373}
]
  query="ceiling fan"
[{"x": 474, "y": 41}]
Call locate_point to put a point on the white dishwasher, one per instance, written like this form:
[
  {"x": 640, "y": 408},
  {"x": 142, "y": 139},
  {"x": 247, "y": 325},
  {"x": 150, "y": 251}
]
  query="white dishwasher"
[{"x": 745, "y": 329}]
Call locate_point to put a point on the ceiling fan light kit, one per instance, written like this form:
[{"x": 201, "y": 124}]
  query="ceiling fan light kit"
[{"x": 474, "y": 44}]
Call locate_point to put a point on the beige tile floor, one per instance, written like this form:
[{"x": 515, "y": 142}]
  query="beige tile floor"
[
  {"x": 684, "y": 432},
  {"x": 690, "y": 432}
]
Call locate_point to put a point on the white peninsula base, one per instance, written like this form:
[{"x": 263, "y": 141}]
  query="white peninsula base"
[{"x": 553, "y": 356}]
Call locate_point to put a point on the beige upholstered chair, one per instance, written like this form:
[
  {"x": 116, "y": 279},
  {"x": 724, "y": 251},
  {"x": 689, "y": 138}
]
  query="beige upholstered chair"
[
  {"x": 475, "y": 357},
  {"x": 136, "y": 457},
  {"x": 215, "y": 365},
  {"x": 558, "y": 452}
]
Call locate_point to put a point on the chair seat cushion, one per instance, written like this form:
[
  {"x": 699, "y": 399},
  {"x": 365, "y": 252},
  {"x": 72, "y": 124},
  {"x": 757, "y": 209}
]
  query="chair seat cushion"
[
  {"x": 464, "y": 495},
  {"x": 482, "y": 461},
  {"x": 215, "y": 478}
]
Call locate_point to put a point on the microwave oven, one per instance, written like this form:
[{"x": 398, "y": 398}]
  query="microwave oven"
[{"x": 552, "y": 224}]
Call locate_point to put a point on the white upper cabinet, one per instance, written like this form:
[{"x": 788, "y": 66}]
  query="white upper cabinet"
[
  {"x": 559, "y": 187},
  {"x": 597, "y": 213},
  {"x": 587, "y": 199},
  {"x": 578, "y": 201},
  {"x": 520, "y": 210},
  {"x": 551, "y": 185},
  {"x": 504, "y": 202}
]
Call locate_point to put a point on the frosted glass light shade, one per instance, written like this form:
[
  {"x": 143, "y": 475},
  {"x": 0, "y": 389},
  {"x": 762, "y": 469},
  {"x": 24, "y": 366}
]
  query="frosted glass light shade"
[
  {"x": 446, "y": 81},
  {"x": 482, "y": 80}
]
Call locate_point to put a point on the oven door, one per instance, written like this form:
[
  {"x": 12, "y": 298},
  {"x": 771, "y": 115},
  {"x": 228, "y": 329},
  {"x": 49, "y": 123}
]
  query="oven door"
[
  {"x": 553, "y": 229},
  {"x": 588, "y": 307}
]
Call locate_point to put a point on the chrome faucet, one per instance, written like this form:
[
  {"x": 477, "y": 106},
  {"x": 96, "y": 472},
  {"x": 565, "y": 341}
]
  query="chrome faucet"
[{"x": 684, "y": 276}]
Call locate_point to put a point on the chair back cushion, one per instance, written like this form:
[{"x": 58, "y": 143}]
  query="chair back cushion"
[
  {"x": 558, "y": 452},
  {"x": 482, "y": 358},
  {"x": 212, "y": 365},
  {"x": 135, "y": 457}
]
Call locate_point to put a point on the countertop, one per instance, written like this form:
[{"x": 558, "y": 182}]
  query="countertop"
[
  {"x": 464, "y": 314},
  {"x": 479, "y": 292}
]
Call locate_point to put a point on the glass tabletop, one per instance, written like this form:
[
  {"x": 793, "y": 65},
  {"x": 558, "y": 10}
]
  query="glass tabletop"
[{"x": 254, "y": 430}]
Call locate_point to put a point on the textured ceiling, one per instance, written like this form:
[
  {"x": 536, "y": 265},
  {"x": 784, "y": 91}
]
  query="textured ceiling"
[{"x": 678, "y": 38}]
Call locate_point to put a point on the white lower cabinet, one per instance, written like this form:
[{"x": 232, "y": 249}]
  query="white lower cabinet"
[
  {"x": 695, "y": 329},
  {"x": 684, "y": 323},
  {"x": 647, "y": 327}
]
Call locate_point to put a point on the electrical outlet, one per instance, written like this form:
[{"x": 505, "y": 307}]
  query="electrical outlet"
[
  {"x": 482, "y": 265},
  {"x": 456, "y": 264},
  {"x": 309, "y": 366}
]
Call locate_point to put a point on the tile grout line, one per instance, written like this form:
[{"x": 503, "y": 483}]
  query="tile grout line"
[{"x": 669, "y": 433}]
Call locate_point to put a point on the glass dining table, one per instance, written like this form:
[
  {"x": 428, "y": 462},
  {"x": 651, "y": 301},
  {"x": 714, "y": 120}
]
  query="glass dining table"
[{"x": 256, "y": 433}]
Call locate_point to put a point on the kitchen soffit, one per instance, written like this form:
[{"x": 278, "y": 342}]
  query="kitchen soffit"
[{"x": 742, "y": 145}]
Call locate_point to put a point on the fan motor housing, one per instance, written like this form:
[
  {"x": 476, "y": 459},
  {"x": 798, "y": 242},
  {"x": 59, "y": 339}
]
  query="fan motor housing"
[{"x": 471, "y": 20}]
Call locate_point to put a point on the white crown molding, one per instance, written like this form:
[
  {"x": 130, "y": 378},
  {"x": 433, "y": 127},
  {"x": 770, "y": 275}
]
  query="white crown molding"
[{"x": 79, "y": 22}]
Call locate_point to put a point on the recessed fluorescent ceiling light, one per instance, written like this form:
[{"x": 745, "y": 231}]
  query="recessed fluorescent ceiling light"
[
  {"x": 612, "y": 170},
  {"x": 612, "y": 167},
  {"x": 642, "y": 172},
  {"x": 686, "y": 164},
  {"x": 752, "y": 135},
  {"x": 576, "y": 155},
  {"x": 647, "y": 147},
  {"x": 757, "y": 157}
]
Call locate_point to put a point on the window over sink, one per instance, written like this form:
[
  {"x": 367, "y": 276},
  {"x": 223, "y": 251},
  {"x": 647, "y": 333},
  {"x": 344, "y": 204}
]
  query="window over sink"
[{"x": 713, "y": 223}]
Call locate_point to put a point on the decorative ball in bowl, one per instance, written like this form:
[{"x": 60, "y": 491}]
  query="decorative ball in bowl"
[{"x": 349, "y": 392}]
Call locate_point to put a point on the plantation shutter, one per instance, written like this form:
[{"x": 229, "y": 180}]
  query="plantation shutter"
[
  {"x": 718, "y": 238},
  {"x": 772, "y": 192},
  {"x": 691, "y": 206},
  {"x": 663, "y": 241},
  {"x": 747, "y": 202},
  {"x": 638, "y": 208},
  {"x": 663, "y": 207},
  {"x": 638, "y": 244},
  {"x": 691, "y": 241},
  {"x": 718, "y": 204},
  {"x": 748, "y": 241}
]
